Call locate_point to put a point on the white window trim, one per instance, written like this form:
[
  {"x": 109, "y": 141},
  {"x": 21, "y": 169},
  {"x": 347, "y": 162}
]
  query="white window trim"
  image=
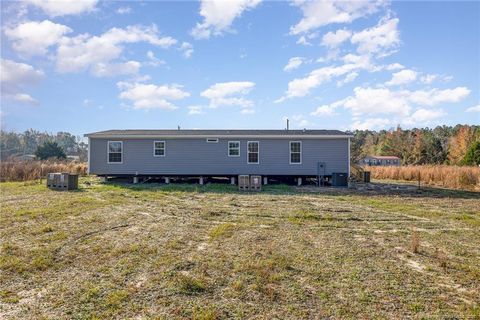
[
  {"x": 248, "y": 152},
  {"x": 108, "y": 152},
  {"x": 228, "y": 149},
  {"x": 290, "y": 152},
  {"x": 164, "y": 148}
]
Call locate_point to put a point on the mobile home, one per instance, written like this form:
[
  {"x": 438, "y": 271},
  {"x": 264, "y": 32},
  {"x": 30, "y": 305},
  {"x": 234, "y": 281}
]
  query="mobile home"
[{"x": 213, "y": 153}]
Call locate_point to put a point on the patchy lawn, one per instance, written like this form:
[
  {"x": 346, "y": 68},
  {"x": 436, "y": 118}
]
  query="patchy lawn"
[{"x": 185, "y": 251}]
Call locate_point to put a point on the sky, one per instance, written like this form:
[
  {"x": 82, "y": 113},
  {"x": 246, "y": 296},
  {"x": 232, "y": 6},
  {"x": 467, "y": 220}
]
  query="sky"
[{"x": 85, "y": 66}]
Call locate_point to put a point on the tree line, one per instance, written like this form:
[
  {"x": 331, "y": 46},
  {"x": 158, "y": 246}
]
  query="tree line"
[
  {"x": 458, "y": 145},
  {"x": 43, "y": 144}
]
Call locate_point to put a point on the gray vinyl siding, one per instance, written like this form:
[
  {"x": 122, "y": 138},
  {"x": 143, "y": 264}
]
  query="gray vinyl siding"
[{"x": 197, "y": 157}]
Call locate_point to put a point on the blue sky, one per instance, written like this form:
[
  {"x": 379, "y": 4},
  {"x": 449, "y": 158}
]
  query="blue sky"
[{"x": 85, "y": 66}]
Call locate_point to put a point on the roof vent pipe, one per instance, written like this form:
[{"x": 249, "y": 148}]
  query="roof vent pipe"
[
  {"x": 287, "y": 124},
  {"x": 178, "y": 128}
]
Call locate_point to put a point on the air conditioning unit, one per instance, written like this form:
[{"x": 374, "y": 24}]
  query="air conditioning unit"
[
  {"x": 244, "y": 182},
  {"x": 62, "y": 181},
  {"x": 255, "y": 183}
]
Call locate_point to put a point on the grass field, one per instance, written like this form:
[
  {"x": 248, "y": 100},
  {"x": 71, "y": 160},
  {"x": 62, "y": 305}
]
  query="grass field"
[{"x": 185, "y": 251}]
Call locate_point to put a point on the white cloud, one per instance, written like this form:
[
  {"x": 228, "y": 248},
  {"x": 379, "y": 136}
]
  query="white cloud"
[
  {"x": 349, "y": 78},
  {"x": 425, "y": 116},
  {"x": 229, "y": 94},
  {"x": 124, "y": 10},
  {"x": 379, "y": 40},
  {"x": 194, "y": 110},
  {"x": 377, "y": 101},
  {"x": 334, "y": 39},
  {"x": 385, "y": 101},
  {"x": 23, "y": 98},
  {"x": 34, "y": 38},
  {"x": 474, "y": 109},
  {"x": 320, "y": 13},
  {"x": 325, "y": 110},
  {"x": 151, "y": 96},
  {"x": 371, "y": 123},
  {"x": 428, "y": 78},
  {"x": 402, "y": 77},
  {"x": 86, "y": 52},
  {"x": 394, "y": 66},
  {"x": 115, "y": 69},
  {"x": 154, "y": 61},
  {"x": 247, "y": 111},
  {"x": 302, "y": 86},
  {"x": 435, "y": 96},
  {"x": 15, "y": 77},
  {"x": 218, "y": 16},
  {"x": 294, "y": 63},
  {"x": 187, "y": 49},
  {"x": 297, "y": 121},
  {"x": 303, "y": 41},
  {"x": 55, "y": 8},
  {"x": 402, "y": 106}
]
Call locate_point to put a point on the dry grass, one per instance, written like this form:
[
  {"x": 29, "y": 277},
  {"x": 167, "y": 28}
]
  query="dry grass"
[
  {"x": 112, "y": 251},
  {"x": 32, "y": 170},
  {"x": 439, "y": 175},
  {"x": 415, "y": 244}
]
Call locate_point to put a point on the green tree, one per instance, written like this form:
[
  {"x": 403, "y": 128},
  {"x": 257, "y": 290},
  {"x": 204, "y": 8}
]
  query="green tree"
[
  {"x": 472, "y": 157},
  {"x": 67, "y": 142},
  {"x": 50, "y": 150},
  {"x": 10, "y": 144}
]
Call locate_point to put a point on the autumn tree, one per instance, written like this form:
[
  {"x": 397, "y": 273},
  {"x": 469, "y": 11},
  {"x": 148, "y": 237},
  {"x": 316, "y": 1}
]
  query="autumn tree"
[{"x": 459, "y": 143}]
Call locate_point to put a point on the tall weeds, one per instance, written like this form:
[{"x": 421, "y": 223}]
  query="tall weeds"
[
  {"x": 440, "y": 175},
  {"x": 14, "y": 170}
]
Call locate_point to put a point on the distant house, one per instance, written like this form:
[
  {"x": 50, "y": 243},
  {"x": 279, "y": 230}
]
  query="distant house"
[
  {"x": 73, "y": 158},
  {"x": 381, "y": 161},
  {"x": 25, "y": 157}
]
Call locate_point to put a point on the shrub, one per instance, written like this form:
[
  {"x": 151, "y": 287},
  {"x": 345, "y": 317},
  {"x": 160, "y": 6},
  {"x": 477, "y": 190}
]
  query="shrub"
[
  {"x": 50, "y": 150},
  {"x": 30, "y": 170},
  {"x": 460, "y": 177}
]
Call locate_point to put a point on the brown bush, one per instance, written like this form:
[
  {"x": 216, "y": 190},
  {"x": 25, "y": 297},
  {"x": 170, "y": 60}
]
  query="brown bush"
[
  {"x": 441, "y": 175},
  {"x": 14, "y": 170}
]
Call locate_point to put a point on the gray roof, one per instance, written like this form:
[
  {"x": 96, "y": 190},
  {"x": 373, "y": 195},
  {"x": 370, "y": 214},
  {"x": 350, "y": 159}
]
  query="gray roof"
[{"x": 214, "y": 132}]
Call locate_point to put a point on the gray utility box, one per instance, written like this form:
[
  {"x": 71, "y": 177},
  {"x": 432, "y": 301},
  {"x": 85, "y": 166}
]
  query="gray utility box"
[
  {"x": 256, "y": 183},
  {"x": 244, "y": 182},
  {"x": 339, "y": 179},
  {"x": 62, "y": 181}
]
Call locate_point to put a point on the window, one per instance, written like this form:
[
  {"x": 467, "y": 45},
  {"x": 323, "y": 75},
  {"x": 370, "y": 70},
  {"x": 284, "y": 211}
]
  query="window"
[
  {"x": 212, "y": 140},
  {"x": 234, "y": 148},
  {"x": 252, "y": 152},
  {"x": 115, "y": 151},
  {"x": 159, "y": 148},
  {"x": 295, "y": 152}
]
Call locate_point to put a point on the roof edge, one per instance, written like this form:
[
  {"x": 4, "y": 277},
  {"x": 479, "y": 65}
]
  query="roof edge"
[{"x": 184, "y": 136}]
